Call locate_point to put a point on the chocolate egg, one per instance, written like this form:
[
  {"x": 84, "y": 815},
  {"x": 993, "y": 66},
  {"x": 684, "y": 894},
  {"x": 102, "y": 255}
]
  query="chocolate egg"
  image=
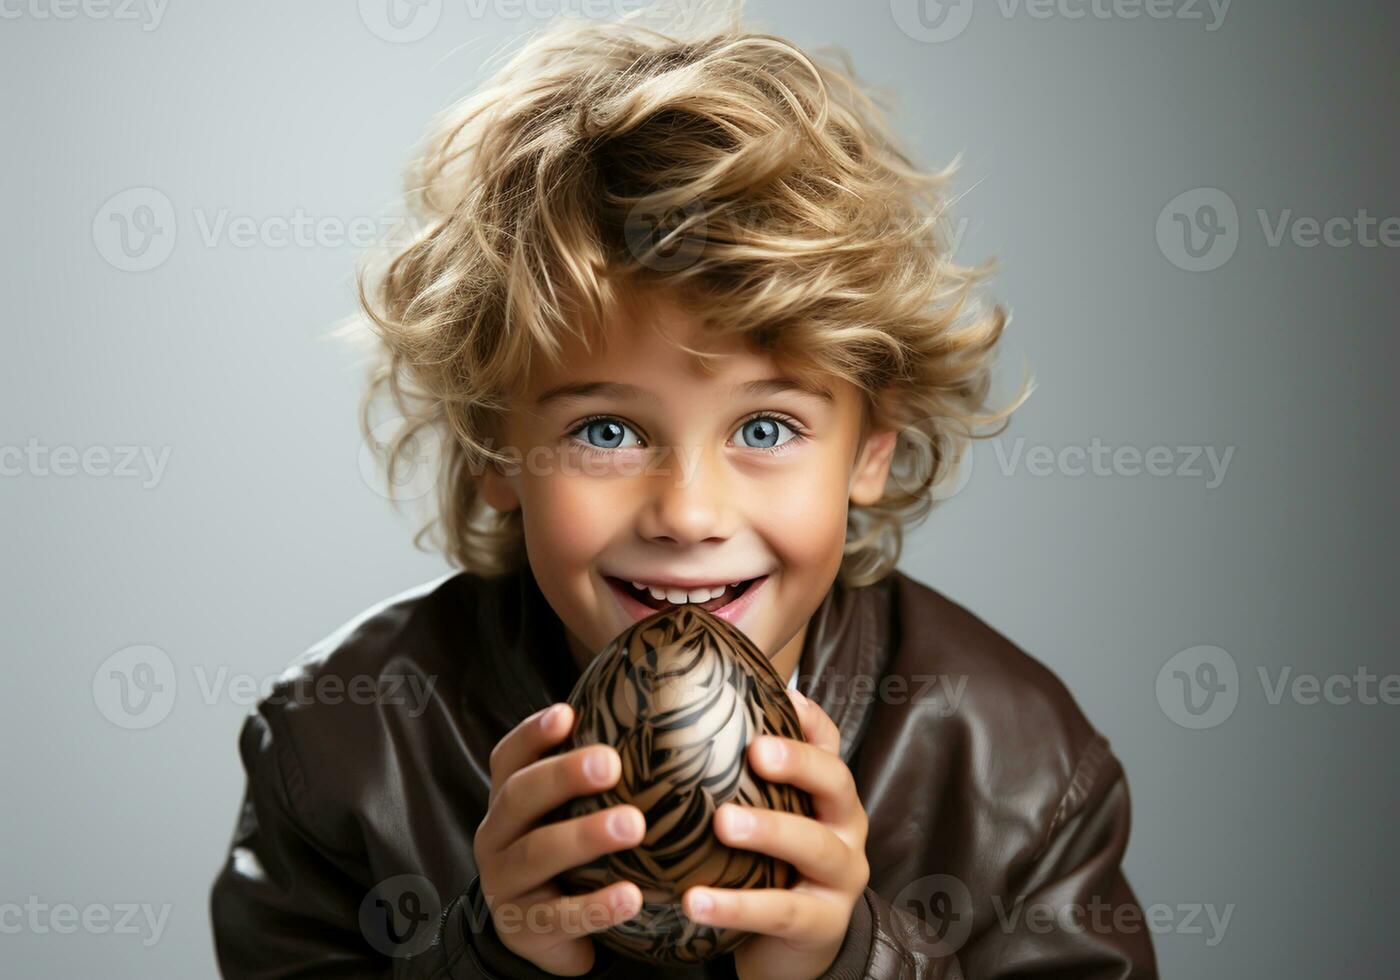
[{"x": 680, "y": 695}]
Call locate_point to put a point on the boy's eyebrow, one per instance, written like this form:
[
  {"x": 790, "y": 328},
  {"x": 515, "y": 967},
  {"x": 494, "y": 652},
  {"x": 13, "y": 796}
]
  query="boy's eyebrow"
[
  {"x": 587, "y": 389},
  {"x": 616, "y": 389},
  {"x": 773, "y": 386}
]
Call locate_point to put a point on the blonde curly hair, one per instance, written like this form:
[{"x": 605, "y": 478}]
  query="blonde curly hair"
[{"x": 758, "y": 183}]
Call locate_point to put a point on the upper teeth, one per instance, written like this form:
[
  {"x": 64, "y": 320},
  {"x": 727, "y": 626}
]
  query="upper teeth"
[{"x": 677, "y": 596}]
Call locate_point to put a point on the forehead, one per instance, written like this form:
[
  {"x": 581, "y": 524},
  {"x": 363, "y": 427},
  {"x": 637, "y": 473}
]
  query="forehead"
[{"x": 647, "y": 338}]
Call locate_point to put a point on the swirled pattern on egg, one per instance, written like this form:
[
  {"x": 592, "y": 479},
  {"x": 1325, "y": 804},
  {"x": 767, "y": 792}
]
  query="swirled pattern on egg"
[{"x": 680, "y": 695}]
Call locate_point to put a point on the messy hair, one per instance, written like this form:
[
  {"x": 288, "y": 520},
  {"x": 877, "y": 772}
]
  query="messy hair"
[{"x": 756, "y": 182}]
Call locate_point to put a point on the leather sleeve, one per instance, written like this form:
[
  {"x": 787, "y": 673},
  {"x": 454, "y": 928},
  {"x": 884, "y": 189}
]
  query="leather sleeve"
[
  {"x": 285, "y": 905},
  {"x": 1088, "y": 922}
]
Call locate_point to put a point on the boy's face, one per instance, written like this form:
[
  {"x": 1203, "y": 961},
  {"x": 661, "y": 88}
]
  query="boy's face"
[{"x": 673, "y": 478}]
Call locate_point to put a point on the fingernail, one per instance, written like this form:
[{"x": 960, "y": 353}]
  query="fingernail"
[
  {"x": 548, "y": 718},
  {"x": 622, "y": 824},
  {"x": 738, "y": 822},
  {"x": 597, "y": 766},
  {"x": 772, "y": 751},
  {"x": 798, "y": 696},
  {"x": 624, "y": 903},
  {"x": 701, "y": 903}
]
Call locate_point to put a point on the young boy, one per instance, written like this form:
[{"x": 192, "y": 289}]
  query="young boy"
[{"x": 687, "y": 323}]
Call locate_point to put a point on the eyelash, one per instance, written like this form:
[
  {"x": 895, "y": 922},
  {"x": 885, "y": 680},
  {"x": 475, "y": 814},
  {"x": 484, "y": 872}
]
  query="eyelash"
[{"x": 799, "y": 433}]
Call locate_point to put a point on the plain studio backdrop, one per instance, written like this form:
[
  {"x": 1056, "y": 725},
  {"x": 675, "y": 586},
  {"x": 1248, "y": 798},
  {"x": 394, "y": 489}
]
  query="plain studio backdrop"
[{"x": 1196, "y": 216}]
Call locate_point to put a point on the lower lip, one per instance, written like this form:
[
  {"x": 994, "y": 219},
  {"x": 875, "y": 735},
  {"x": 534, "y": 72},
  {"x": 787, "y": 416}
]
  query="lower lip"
[{"x": 732, "y": 612}]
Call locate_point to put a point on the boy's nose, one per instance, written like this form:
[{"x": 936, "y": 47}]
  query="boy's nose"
[{"x": 689, "y": 501}]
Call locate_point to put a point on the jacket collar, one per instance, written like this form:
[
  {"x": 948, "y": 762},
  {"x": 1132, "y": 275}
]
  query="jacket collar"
[
  {"x": 843, "y": 652},
  {"x": 844, "y": 655}
]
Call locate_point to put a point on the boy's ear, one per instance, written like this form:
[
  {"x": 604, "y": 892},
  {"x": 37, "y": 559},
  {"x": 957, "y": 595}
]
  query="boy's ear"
[
  {"x": 497, "y": 488},
  {"x": 872, "y": 467}
]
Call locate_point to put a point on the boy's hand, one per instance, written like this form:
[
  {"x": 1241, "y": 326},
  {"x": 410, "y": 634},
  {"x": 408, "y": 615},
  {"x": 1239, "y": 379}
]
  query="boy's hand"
[
  {"x": 517, "y": 859},
  {"x": 800, "y": 929}
]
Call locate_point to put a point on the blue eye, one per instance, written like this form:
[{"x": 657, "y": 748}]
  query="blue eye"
[
  {"x": 761, "y": 432},
  {"x": 765, "y": 430},
  {"x": 606, "y": 433}
]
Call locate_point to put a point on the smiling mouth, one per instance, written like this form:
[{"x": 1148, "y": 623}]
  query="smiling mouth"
[{"x": 647, "y": 599}]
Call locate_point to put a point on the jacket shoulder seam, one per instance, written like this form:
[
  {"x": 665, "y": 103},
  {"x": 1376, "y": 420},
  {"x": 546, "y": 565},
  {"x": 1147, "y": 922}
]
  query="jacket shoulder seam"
[{"x": 1085, "y": 775}]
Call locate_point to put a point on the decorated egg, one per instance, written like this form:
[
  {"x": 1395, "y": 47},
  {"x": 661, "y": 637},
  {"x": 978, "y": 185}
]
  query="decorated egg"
[{"x": 680, "y": 695}]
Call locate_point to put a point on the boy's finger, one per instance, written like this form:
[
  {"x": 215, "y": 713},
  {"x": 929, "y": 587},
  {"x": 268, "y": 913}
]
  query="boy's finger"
[
  {"x": 817, "y": 726},
  {"x": 531, "y": 793},
  {"x": 814, "y": 849},
  {"x": 809, "y": 767},
  {"x": 782, "y": 912},
  {"x": 527, "y": 741},
  {"x": 550, "y": 850},
  {"x": 579, "y": 915}
]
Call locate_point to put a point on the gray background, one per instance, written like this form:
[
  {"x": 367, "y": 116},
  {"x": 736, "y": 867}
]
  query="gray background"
[{"x": 261, "y": 535}]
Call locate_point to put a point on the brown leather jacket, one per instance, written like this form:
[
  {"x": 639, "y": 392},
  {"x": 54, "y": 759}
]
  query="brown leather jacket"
[{"x": 998, "y": 815}]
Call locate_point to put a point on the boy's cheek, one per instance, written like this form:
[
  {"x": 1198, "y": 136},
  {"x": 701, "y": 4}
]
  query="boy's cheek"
[
  {"x": 811, "y": 517},
  {"x": 569, "y": 522}
]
